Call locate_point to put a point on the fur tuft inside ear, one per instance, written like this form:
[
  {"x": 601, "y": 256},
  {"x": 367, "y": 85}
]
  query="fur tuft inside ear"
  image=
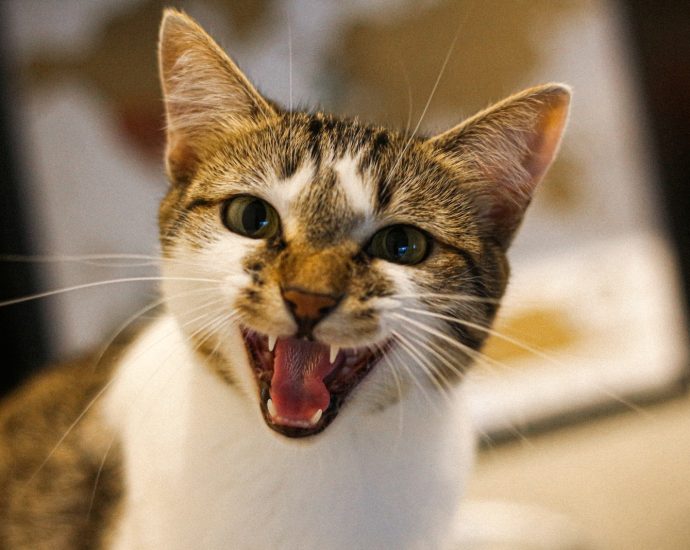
[
  {"x": 505, "y": 150},
  {"x": 205, "y": 93}
]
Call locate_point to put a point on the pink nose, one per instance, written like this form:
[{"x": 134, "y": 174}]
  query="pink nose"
[{"x": 306, "y": 307}]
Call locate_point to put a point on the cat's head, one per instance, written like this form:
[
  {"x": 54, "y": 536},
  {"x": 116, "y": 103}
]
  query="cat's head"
[{"x": 316, "y": 261}]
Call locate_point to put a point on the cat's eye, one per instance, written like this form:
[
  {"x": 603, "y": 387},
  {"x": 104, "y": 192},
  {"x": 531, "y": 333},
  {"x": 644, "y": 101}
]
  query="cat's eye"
[
  {"x": 401, "y": 244},
  {"x": 251, "y": 217}
]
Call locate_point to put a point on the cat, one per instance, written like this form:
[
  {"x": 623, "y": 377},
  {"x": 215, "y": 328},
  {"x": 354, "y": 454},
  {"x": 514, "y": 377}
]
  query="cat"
[{"x": 327, "y": 285}]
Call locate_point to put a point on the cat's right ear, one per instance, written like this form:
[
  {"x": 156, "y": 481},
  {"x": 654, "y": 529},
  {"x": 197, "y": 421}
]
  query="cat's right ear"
[{"x": 205, "y": 93}]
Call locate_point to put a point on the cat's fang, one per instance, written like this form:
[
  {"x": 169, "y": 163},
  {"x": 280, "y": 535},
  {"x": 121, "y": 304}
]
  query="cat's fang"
[
  {"x": 272, "y": 342},
  {"x": 334, "y": 353},
  {"x": 271, "y": 408},
  {"x": 315, "y": 419}
]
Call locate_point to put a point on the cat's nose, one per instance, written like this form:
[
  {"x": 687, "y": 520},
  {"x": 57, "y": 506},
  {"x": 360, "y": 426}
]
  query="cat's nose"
[{"x": 308, "y": 308}]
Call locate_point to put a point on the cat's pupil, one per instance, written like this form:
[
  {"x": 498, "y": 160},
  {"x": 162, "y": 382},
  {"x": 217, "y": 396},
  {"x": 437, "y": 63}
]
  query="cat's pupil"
[
  {"x": 397, "y": 242},
  {"x": 254, "y": 217}
]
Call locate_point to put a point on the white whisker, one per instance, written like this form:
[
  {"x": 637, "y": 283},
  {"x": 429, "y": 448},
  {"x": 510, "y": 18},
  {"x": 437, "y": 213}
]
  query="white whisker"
[
  {"x": 537, "y": 352},
  {"x": 426, "y": 366},
  {"x": 401, "y": 348},
  {"x": 95, "y": 284}
]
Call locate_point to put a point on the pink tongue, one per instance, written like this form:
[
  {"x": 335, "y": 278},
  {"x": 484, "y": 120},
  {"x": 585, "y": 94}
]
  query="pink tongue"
[{"x": 297, "y": 387}]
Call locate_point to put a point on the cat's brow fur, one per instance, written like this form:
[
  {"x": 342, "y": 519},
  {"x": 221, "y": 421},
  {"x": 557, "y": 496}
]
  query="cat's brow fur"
[{"x": 139, "y": 463}]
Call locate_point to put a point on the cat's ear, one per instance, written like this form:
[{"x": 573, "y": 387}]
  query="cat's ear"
[
  {"x": 505, "y": 151},
  {"x": 205, "y": 93}
]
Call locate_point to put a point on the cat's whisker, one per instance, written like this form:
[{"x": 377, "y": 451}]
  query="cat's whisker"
[
  {"x": 108, "y": 260},
  {"x": 478, "y": 357},
  {"x": 410, "y": 139},
  {"x": 408, "y": 86},
  {"x": 291, "y": 148},
  {"x": 454, "y": 368},
  {"x": 455, "y": 297},
  {"x": 514, "y": 341},
  {"x": 48, "y": 293},
  {"x": 79, "y": 418},
  {"x": 212, "y": 326},
  {"x": 463, "y": 348},
  {"x": 232, "y": 319},
  {"x": 430, "y": 330},
  {"x": 184, "y": 325},
  {"x": 398, "y": 385},
  {"x": 98, "y": 475},
  {"x": 427, "y": 368},
  {"x": 402, "y": 348},
  {"x": 149, "y": 307},
  {"x": 549, "y": 359},
  {"x": 71, "y": 427},
  {"x": 216, "y": 320}
]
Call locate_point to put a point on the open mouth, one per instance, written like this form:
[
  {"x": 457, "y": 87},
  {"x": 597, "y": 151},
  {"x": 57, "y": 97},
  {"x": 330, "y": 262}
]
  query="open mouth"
[{"x": 303, "y": 383}]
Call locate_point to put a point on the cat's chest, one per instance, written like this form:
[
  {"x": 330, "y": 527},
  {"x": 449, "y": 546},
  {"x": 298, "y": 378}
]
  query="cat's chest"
[{"x": 199, "y": 466}]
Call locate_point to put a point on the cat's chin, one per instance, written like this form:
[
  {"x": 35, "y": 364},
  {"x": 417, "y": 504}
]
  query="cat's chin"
[{"x": 303, "y": 384}]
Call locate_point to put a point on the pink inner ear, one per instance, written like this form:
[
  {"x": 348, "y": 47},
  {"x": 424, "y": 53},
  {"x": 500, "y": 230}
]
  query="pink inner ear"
[
  {"x": 545, "y": 139},
  {"x": 513, "y": 190}
]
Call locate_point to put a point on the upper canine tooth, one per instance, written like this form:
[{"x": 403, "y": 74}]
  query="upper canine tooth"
[
  {"x": 271, "y": 342},
  {"x": 334, "y": 353}
]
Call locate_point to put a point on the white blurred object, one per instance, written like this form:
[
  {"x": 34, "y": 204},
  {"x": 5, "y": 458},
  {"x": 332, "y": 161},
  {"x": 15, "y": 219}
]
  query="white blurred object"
[{"x": 620, "y": 298}]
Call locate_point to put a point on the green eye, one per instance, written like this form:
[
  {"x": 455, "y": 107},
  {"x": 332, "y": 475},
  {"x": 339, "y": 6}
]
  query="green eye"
[
  {"x": 251, "y": 217},
  {"x": 401, "y": 244}
]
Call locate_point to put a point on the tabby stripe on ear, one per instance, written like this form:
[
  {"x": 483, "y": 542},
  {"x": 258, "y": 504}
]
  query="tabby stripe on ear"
[{"x": 507, "y": 148}]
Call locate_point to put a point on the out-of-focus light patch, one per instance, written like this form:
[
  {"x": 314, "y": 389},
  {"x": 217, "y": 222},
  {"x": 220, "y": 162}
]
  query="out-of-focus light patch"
[{"x": 595, "y": 325}]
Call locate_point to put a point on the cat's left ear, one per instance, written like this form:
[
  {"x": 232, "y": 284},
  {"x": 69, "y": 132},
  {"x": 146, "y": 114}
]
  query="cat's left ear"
[
  {"x": 206, "y": 95},
  {"x": 504, "y": 151}
]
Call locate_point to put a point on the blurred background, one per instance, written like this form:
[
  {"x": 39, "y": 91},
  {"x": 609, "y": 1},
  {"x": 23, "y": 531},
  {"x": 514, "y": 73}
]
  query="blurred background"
[{"x": 595, "y": 317}]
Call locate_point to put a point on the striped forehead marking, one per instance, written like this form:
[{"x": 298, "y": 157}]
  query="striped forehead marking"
[{"x": 333, "y": 198}]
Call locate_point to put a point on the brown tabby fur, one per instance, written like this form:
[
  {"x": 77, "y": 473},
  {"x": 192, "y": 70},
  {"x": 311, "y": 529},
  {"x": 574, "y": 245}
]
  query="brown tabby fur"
[{"x": 54, "y": 495}]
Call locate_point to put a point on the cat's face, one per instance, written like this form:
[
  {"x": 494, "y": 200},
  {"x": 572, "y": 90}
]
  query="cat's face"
[{"x": 317, "y": 262}]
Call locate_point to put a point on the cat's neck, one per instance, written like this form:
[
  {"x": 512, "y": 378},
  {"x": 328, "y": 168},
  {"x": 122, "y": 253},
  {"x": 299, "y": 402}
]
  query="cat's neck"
[{"x": 382, "y": 476}]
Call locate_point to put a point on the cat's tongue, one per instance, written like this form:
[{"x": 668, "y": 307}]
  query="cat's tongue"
[{"x": 297, "y": 387}]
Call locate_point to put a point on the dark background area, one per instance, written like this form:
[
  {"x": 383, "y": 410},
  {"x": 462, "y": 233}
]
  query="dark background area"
[
  {"x": 660, "y": 38},
  {"x": 22, "y": 327}
]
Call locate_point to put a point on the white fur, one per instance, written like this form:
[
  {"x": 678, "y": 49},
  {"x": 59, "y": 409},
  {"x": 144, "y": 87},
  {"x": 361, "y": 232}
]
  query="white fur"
[
  {"x": 359, "y": 193},
  {"x": 202, "y": 469},
  {"x": 284, "y": 193}
]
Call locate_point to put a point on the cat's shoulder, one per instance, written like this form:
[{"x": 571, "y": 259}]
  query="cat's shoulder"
[{"x": 54, "y": 445}]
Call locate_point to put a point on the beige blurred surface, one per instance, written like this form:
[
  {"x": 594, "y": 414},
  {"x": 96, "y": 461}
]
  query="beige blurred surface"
[{"x": 624, "y": 479}]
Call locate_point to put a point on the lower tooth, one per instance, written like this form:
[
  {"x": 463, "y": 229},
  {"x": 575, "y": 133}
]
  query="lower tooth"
[
  {"x": 317, "y": 416},
  {"x": 271, "y": 408}
]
